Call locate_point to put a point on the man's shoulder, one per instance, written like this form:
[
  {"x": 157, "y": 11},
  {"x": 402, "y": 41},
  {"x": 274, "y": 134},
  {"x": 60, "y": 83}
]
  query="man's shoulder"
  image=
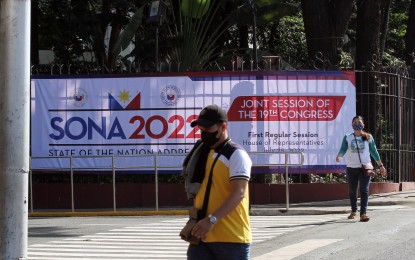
[{"x": 230, "y": 148}]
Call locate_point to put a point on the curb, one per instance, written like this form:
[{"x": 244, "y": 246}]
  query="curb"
[
  {"x": 253, "y": 212},
  {"x": 108, "y": 213},
  {"x": 292, "y": 212}
]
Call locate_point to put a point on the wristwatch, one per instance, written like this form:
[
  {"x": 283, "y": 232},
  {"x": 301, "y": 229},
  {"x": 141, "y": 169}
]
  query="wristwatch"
[{"x": 212, "y": 219}]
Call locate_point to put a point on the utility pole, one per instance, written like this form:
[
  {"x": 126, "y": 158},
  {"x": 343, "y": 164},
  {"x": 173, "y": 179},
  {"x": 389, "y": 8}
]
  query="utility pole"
[
  {"x": 14, "y": 127},
  {"x": 157, "y": 11}
]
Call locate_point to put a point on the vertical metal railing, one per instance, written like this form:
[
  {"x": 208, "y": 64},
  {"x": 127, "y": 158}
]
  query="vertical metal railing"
[
  {"x": 156, "y": 166},
  {"x": 72, "y": 189},
  {"x": 114, "y": 196},
  {"x": 387, "y": 101},
  {"x": 398, "y": 133},
  {"x": 287, "y": 191},
  {"x": 286, "y": 166},
  {"x": 31, "y": 187},
  {"x": 156, "y": 182}
]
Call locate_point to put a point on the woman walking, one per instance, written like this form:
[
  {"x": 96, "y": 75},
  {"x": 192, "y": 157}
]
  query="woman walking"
[{"x": 359, "y": 146}]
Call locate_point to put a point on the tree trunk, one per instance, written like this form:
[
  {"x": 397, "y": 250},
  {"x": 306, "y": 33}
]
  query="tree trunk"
[
  {"x": 368, "y": 33},
  {"x": 325, "y": 23},
  {"x": 102, "y": 28},
  {"x": 243, "y": 37},
  {"x": 116, "y": 26},
  {"x": 386, "y": 4},
  {"x": 410, "y": 35},
  {"x": 368, "y": 58}
]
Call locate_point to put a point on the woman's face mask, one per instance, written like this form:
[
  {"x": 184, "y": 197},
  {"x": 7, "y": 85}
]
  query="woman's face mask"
[
  {"x": 210, "y": 138},
  {"x": 358, "y": 126}
]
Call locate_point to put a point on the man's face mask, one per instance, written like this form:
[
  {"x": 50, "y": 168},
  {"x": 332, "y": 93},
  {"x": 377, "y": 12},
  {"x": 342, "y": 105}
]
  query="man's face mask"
[
  {"x": 210, "y": 139},
  {"x": 358, "y": 126}
]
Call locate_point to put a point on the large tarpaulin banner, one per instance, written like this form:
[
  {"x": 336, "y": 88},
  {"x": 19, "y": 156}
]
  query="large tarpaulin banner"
[{"x": 279, "y": 112}]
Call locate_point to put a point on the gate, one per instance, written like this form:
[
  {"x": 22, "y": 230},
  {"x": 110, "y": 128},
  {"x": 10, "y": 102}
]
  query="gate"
[{"x": 387, "y": 102}]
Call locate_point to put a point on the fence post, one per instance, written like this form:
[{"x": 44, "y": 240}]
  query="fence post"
[
  {"x": 72, "y": 195},
  {"x": 287, "y": 192},
  {"x": 114, "y": 199},
  {"x": 287, "y": 164},
  {"x": 398, "y": 168},
  {"x": 31, "y": 187},
  {"x": 156, "y": 182}
]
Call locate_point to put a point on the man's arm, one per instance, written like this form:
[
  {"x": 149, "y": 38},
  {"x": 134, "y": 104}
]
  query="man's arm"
[{"x": 239, "y": 187}]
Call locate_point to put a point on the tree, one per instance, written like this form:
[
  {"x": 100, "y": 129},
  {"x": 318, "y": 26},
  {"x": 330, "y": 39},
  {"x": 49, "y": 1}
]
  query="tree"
[
  {"x": 325, "y": 24},
  {"x": 385, "y": 7},
  {"x": 394, "y": 45},
  {"x": 240, "y": 35},
  {"x": 34, "y": 45},
  {"x": 114, "y": 17},
  {"x": 196, "y": 35},
  {"x": 71, "y": 28},
  {"x": 285, "y": 37},
  {"x": 106, "y": 27},
  {"x": 410, "y": 35},
  {"x": 368, "y": 32},
  {"x": 63, "y": 27}
]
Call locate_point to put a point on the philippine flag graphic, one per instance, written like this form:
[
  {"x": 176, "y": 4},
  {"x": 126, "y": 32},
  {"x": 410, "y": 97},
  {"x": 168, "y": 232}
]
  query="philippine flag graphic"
[{"x": 124, "y": 101}]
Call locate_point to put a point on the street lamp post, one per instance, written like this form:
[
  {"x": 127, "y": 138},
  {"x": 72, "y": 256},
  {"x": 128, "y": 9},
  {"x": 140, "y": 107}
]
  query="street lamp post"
[{"x": 156, "y": 14}]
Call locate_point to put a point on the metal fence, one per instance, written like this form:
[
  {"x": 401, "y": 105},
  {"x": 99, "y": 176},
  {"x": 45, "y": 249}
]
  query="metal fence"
[
  {"x": 386, "y": 99},
  {"x": 154, "y": 162},
  {"x": 236, "y": 63}
]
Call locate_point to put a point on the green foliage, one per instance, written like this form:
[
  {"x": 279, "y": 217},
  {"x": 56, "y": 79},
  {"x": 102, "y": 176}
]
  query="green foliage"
[
  {"x": 299, "y": 178},
  {"x": 266, "y": 11},
  {"x": 55, "y": 19},
  {"x": 195, "y": 8},
  {"x": 328, "y": 178},
  {"x": 386, "y": 129},
  {"x": 193, "y": 36},
  {"x": 129, "y": 32},
  {"x": 395, "y": 41},
  {"x": 392, "y": 60},
  {"x": 195, "y": 39},
  {"x": 270, "y": 10},
  {"x": 285, "y": 37},
  {"x": 346, "y": 60}
]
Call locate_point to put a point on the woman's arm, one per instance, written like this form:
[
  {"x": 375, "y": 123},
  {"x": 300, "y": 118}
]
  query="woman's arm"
[
  {"x": 343, "y": 149},
  {"x": 375, "y": 154}
]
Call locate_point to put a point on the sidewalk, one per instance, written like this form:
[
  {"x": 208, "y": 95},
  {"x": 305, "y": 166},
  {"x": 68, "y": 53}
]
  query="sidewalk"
[{"x": 398, "y": 199}]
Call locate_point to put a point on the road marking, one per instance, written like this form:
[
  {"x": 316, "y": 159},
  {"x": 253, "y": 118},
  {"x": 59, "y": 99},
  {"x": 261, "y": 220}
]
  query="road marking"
[
  {"x": 158, "y": 240},
  {"x": 291, "y": 251}
]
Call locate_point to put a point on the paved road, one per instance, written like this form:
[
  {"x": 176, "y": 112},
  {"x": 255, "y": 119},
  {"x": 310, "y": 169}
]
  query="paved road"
[
  {"x": 389, "y": 235},
  {"x": 327, "y": 234},
  {"x": 139, "y": 237}
]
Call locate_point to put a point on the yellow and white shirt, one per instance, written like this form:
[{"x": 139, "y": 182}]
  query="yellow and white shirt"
[{"x": 233, "y": 163}]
